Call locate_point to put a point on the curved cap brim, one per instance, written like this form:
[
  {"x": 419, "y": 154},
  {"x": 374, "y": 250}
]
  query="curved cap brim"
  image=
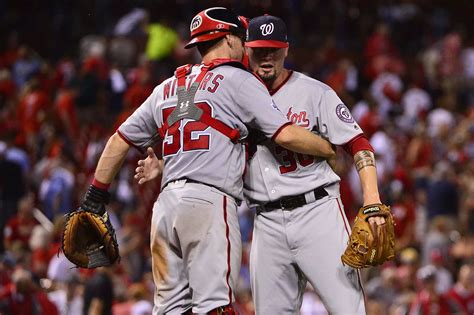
[
  {"x": 266, "y": 44},
  {"x": 204, "y": 38}
]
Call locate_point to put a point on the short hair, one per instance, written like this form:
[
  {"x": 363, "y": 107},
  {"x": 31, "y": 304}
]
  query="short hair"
[{"x": 205, "y": 47}]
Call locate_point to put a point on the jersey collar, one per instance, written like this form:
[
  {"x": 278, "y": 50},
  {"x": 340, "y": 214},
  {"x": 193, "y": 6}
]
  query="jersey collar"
[
  {"x": 225, "y": 61},
  {"x": 272, "y": 92}
]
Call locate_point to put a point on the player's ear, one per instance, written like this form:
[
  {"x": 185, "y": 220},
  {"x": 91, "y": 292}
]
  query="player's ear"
[
  {"x": 286, "y": 52},
  {"x": 236, "y": 41},
  {"x": 229, "y": 40}
]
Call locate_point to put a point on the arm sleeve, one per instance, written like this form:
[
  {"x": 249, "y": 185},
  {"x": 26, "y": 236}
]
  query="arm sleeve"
[
  {"x": 258, "y": 110},
  {"x": 140, "y": 129},
  {"x": 356, "y": 144}
]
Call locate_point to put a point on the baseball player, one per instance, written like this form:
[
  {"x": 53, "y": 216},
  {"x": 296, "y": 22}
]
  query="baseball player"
[
  {"x": 200, "y": 115},
  {"x": 300, "y": 228}
]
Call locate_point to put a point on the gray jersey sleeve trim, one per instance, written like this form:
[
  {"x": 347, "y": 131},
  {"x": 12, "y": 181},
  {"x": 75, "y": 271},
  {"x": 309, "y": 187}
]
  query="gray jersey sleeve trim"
[
  {"x": 130, "y": 143},
  {"x": 151, "y": 142}
]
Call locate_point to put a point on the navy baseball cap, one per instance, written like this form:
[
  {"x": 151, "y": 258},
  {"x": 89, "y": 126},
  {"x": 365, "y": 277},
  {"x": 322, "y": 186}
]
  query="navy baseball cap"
[{"x": 267, "y": 31}]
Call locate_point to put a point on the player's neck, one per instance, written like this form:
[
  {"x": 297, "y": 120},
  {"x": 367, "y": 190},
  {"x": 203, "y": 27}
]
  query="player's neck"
[
  {"x": 271, "y": 85},
  {"x": 220, "y": 52}
]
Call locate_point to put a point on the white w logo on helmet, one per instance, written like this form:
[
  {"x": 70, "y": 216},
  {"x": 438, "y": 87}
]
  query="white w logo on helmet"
[
  {"x": 267, "y": 29},
  {"x": 196, "y": 22}
]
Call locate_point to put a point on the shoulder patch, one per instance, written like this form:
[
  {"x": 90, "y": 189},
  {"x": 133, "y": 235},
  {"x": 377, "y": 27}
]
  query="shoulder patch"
[{"x": 344, "y": 114}]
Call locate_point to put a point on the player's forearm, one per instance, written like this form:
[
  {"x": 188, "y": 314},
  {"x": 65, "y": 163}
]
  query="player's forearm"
[
  {"x": 365, "y": 165},
  {"x": 300, "y": 140},
  {"x": 111, "y": 159},
  {"x": 96, "y": 307}
]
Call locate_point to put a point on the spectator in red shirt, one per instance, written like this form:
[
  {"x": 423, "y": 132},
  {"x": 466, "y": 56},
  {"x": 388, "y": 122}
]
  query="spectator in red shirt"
[
  {"x": 371, "y": 121},
  {"x": 450, "y": 65},
  {"x": 343, "y": 78},
  {"x": 65, "y": 109},
  {"x": 23, "y": 296},
  {"x": 409, "y": 264},
  {"x": 31, "y": 113},
  {"x": 379, "y": 43},
  {"x": 19, "y": 228},
  {"x": 419, "y": 152},
  {"x": 7, "y": 88},
  {"x": 444, "y": 277},
  {"x": 32, "y": 108},
  {"x": 135, "y": 95},
  {"x": 380, "y": 52},
  {"x": 403, "y": 210},
  {"x": 427, "y": 300},
  {"x": 65, "y": 72},
  {"x": 462, "y": 293},
  {"x": 138, "y": 92},
  {"x": 40, "y": 245}
]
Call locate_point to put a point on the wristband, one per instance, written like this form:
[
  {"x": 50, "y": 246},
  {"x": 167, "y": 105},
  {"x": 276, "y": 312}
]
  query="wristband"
[{"x": 100, "y": 185}]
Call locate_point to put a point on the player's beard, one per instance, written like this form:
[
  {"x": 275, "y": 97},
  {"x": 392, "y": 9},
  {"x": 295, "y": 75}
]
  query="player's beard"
[{"x": 268, "y": 76}]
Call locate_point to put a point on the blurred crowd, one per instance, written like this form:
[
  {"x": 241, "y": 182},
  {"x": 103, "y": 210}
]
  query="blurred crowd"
[{"x": 404, "y": 68}]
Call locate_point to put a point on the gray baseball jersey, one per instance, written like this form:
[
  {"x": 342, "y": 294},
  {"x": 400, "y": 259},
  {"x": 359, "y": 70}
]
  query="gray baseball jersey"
[
  {"x": 195, "y": 228},
  {"x": 195, "y": 151},
  {"x": 275, "y": 172},
  {"x": 293, "y": 246}
]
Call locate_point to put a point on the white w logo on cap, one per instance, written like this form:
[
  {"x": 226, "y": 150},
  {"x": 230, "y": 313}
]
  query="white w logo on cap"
[{"x": 266, "y": 29}]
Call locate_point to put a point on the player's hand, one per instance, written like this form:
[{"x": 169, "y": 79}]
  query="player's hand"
[
  {"x": 377, "y": 220},
  {"x": 149, "y": 168},
  {"x": 374, "y": 223}
]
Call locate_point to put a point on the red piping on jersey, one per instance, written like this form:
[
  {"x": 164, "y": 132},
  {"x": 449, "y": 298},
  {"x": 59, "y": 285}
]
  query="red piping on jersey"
[
  {"x": 279, "y": 130},
  {"x": 259, "y": 79},
  {"x": 344, "y": 219},
  {"x": 228, "y": 248},
  {"x": 130, "y": 143},
  {"x": 356, "y": 144},
  {"x": 281, "y": 84}
]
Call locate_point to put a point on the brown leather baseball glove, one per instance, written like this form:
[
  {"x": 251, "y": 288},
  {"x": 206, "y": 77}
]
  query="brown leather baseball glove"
[
  {"x": 88, "y": 238},
  {"x": 370, "y": 245}
]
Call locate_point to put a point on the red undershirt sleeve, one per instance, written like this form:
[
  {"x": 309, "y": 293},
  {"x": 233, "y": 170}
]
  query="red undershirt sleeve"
[{"x": 356, "y": 144}]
